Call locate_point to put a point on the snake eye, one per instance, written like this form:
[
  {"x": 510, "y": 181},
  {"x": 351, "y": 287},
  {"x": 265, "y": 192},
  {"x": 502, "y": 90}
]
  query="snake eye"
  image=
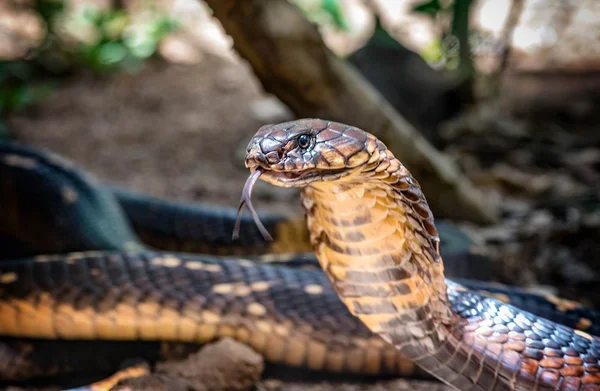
[{"x": 304, "y": 141}]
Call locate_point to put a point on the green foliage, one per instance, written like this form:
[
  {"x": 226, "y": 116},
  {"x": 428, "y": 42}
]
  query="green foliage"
[
  {"x": 17, "y": 93},
  {"x": 453, "y": 47},
  {"x": 118, "y": 44},
  {"x": 324, "y": 12},
  {"x": 18, "y": 89},
  {"x": 20, "y": 86},
  {"x": 434, "y": 53},
  {"x": 334, "y": 9}
]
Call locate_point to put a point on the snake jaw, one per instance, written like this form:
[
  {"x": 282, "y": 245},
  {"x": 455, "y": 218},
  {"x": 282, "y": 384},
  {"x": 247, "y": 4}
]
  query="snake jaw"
[
  {"x": 301, "y": 178},
  {"x": 297, "y": 178}
]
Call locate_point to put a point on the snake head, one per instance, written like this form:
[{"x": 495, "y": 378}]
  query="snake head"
[
  {"x": 298, "y": 153},
  {"x": 301, "y": 152}
]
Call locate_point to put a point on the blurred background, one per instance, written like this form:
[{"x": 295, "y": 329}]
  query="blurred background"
[{"x": 492, "y": 104}]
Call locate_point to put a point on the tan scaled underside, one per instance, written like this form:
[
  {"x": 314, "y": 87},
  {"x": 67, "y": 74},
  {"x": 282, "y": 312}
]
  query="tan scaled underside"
[{"x": 371, "y": 235}]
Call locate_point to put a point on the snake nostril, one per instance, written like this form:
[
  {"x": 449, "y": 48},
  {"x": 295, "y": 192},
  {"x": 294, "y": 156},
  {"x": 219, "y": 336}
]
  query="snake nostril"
[
  {"x": 261, "y": 158},
  {"x": 272, "y": 157},
  {"x": 255, "y": 156}
]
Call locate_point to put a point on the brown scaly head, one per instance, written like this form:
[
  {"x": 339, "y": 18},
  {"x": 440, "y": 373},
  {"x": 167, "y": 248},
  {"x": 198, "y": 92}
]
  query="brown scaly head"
[{"x": 370, "y": 225}]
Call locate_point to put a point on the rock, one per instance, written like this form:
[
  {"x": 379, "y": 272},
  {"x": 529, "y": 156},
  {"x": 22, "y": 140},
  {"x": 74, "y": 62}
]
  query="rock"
[
  {"x": 154, "y": 383},
  {"x": 224, "y": 365},
  {"x": 399, "y": 385}
]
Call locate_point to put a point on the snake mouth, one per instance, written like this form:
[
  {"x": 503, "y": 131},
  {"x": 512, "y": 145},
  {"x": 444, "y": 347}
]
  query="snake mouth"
[
  {"x": 286, "y": 177},
  {"x": 292, "y": 178},
  {"x": 276, "y": 177},
  {"x": 300, "y": 178},
  {"x": 279, "y": 178}
]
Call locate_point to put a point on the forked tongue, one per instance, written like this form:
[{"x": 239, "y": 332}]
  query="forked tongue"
[{"x": 247, "y": 200}]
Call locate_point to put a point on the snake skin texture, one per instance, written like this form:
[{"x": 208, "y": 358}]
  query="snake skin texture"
[
  {"x": 206, "y": 229},
  {"x": 375, "y": 238},
  {"x": 289, "y": 315},
  {"x": 54, "y": 207},
  {"x": 53, "y": 297},
  {"x": 512, "y": 349},
  {"x": 38, "y": 191},
  {"x": 72, "y": 293},
  {"x": 76, "y": 213},
  {"x": 563, "y": 311}
]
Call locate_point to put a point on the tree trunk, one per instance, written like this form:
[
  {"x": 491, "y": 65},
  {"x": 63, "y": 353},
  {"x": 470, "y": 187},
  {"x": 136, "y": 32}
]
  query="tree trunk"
[{"x": 290, "y": 59}]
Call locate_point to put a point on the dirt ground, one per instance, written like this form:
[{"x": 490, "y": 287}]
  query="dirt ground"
[{"x": 170, "y": 131}]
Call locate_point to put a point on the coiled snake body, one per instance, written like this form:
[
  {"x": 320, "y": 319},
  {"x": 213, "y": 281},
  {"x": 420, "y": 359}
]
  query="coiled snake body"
[{"x": 373, "y": 234}]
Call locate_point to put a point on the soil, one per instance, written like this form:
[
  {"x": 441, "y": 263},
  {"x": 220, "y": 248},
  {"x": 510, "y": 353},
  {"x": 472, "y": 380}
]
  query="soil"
[{"x": 171, "y": 131}]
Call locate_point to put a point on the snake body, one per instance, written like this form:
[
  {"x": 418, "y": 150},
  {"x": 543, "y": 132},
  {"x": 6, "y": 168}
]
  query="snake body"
[
  {"x": 54, "y": 207},
  {"x": 206, "y": 229},
  {"x": 375, "y": 238},
  {"x": 291, "y": 316},
  {"x": 131, "y": 296}
]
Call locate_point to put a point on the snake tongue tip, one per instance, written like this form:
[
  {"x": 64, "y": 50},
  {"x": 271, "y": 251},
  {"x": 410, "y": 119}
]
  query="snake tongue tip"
[
  {"x": 266, "y": 235},
  {"x": 238, "y": 220},
  {"x": 247, "y": 201}
]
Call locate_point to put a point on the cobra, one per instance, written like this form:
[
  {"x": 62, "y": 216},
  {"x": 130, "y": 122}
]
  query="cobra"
[{"x": 374, "y": 236}]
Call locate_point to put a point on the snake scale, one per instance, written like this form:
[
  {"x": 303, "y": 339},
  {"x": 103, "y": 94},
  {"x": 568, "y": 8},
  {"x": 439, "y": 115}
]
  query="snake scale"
[{"x": 125, "y": 291}]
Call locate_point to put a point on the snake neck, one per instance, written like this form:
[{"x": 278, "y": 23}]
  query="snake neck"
[{"x": 374, "y": 236}]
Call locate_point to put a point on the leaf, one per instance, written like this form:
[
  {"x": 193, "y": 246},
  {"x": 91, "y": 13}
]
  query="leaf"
[
  {"x": 114, "y": 24},
  {"x": 335, "y": 10},
  {"x": 144, "y": 48},
  {"x": 111, "y": 53},
  {"x": 163, "y": 26},
  {"x": 433, "y": 52}
]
